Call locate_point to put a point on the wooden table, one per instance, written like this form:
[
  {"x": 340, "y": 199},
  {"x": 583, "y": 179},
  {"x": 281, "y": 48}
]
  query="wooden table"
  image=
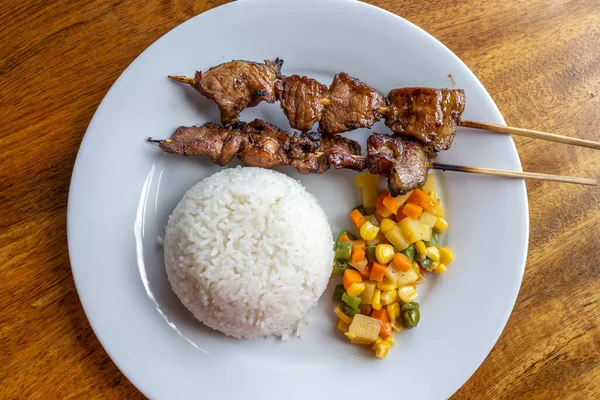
[{"x": 540, "y": 60}]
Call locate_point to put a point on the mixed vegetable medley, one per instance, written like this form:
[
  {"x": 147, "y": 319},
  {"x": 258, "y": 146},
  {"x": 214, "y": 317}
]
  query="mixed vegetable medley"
[{"x": 398, "y": 240}]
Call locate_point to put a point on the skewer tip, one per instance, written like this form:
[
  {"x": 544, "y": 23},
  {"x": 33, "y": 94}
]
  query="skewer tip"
[
  {"x": 167, "y": 141},
  {"x": 182, "y": 79}
]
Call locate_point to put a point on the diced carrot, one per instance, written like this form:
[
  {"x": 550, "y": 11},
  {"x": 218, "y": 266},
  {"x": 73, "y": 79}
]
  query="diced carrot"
[
  {"x": 381, "y": 208},
  {"x": 402, "y": 262},
  {"x": 386, "y": 330},
  {"x": 412, "y": 210},
  {"x": 365, "y": 273},
  {"x": 381, "y": 315},
  {"x": 345, "y": 238},
  {"x": 391, "y": 204},
  {"x": 351, "y": 276},
  {"x": 377, "y": 272},
  {"x": 358, "y": 244},
  {"x": 422, "y": 270},
  {"x": 357, "y": 255},
  {"x": 419, "y": 197},
  {"x": 357, "y": 218}
]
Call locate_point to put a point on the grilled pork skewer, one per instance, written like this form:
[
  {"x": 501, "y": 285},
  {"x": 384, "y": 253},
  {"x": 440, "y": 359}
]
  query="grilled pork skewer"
[
  {"x": 431, "y": 115},
  {"x": 403, "y": 160}
]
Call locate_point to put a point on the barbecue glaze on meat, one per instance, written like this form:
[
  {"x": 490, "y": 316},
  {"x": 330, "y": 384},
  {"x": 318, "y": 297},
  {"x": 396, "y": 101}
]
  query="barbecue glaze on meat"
[
  {"x": 313, "y": 153},
  {"x": 264, "y": 145},
  {"x": 430, "y": 115},
  {"x": 353, "y": 105},
  {"x": 299, "y": 99},
  {"x": 402, "y": 159},
  {"x": 239, "y": 84},
  {"x": 212, "y": 140}
]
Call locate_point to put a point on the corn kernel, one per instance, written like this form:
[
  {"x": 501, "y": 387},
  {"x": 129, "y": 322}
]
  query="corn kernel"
[
  {"x": 338, "y": 311},
  {"x": 350, "y": 335},
  {"x": 384, "y": 253},
  {"x": 407, "y": 293},
  {"x": 387, "y": 225},
  {"x": 415, "y": 267},
  {"x": 342, "y": 326},
  {"x": 355, "y": 289},
  {"x": 393, "y": 311},
  {"x": 433, "y": 266},
  {"x": 440, "y": 269},
  {"x": 390, "y": 339},
  {"x": 378, "y": 341},
  {"x": 376, "y": 300},
  {"x": 421, "y": 249},
  {"x": 446, "y": 255},
  {"x": 386, "y": 285},
  {"x": 382, "y": 350},
  {"x": 433, "y": 253},
  {"x": 440, "y": 225},
  {"x": 388, "y": 297},
  {"x": 368, "y": 231}
]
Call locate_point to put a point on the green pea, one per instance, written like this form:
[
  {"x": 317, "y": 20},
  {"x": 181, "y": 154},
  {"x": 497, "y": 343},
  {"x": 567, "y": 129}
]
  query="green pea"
[
  {"x": 411, "y": 318},
  {"x": 409, "y": 252},
  {"x": 413, "y": 305},
  {"x": 337, "y": 293}
]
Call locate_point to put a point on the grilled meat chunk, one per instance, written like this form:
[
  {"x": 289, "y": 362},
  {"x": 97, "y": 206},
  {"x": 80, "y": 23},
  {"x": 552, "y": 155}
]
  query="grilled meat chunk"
[
  {"x": 430, "y": 115},
  {"x": 264, "y": 145},
  {"x": 353, "y": 105},
  {"x": 299, "y": 98},
  {"x": 313, "y": 153},
  {"x": 239, "y": 84},
  {"x": 212, "y": 140},
  {"x": 404, "y": 160}
]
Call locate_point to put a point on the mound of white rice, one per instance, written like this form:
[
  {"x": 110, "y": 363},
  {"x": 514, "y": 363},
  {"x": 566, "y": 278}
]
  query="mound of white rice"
[{"x": 248, "y": 251}]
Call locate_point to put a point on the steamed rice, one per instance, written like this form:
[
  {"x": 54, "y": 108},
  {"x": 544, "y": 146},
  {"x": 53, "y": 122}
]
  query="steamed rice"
[{"x": 248, "y": 251}]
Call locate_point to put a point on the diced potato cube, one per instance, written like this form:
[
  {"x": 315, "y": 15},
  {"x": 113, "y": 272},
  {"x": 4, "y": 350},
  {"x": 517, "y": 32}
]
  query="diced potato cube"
[
  {"x": 406, "y": 278},
  {"x": 414, "y": 230},
  {"x": 365, "y": 329},
  {"x": 396, "y": 237},
  {"x": 428, "y": 219},
  {"x": 429, "y": 185},
  {"x": 367, "y": 294}
]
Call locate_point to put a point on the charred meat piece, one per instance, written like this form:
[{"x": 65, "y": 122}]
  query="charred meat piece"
[
  {"x": 299, "y": 98},
  {"x": 212, "y": 140},
  {"x": 264, "y": 145},
  {"x": 353, "y": 105},
  {"x": 239, "y": 84},
  {"x": 404, "y": 160},
  {"x": 430, "y": 115},
  {"x": 313, "y": 153}
]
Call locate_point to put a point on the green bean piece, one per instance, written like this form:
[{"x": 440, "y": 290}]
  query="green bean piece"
[
  {"x": 340, "y": 266},
  {"x": 371, "y": 253},
  {"x": 338, "y": 292},
  {"x": 426, "y": 263},
  {"x": 342, "y": 233},
  {"x": 360, "y": 209},
  {"x": 409, "y": 306},
  {"x": 435, "y": 240},
  {"x": 372, "y": 219},
  {"x": 409, "y": 252},
  {"x": 352, "y": 301},
  {"x": 411, "y": 318},
  {"x": 349, "y": 311},
  {"x": 343, "y": 250}
]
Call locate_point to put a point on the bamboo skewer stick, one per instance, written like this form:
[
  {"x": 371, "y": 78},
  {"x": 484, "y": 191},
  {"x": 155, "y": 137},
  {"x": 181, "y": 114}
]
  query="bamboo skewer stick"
[
  {"x": 474, "y": 124},
  {"x": 531, "y": 133}
]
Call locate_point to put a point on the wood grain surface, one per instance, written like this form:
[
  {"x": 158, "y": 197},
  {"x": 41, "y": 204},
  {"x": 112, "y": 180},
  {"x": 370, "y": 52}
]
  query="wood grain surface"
[{"x": 539, "y": 59}]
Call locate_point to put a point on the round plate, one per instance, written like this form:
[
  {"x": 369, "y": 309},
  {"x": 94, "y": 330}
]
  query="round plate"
[{"x": 123, "y": 189}]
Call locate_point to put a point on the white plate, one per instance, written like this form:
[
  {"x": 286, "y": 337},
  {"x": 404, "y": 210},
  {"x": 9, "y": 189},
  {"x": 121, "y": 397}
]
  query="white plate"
[{"x": 124, "y": 188}]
